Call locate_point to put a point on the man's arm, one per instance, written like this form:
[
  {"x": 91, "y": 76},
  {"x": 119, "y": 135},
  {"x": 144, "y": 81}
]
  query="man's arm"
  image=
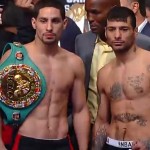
[
  {"x": 2, "y": 146},
  {"x": 1, "y": 9},
  {"x": 103, "y": 117},
  {"x": 27, "y": 4},
  {"x": 81, "y": 119}
]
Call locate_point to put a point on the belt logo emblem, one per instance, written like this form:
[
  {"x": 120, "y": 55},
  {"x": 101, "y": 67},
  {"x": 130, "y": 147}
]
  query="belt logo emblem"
[{"x": 20, "y": 86}]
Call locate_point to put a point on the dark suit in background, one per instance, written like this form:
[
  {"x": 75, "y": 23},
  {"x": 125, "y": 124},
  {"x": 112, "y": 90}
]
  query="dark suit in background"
[{"x": 146, "y": 29}]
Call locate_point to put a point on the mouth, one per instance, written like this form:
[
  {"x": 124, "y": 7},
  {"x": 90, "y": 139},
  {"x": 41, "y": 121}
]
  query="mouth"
[
  {"x": 49, "y": 35},
  {"x": 118, "y": 43},
  {"x": 93, "y": 28}
]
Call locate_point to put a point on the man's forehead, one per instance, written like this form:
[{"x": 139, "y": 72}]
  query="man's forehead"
[
  {"x": 119, "y": 22},
  {"x": 108, "y": 3},
  {"x": 49, "y": 11}
]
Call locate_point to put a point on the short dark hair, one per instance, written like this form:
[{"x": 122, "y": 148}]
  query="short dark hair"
[
  {"x": 49, "y": 3},
  {"x": 119, "y": 13}
]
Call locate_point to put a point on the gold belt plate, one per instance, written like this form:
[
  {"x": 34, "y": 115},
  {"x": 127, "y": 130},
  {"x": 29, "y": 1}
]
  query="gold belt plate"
[{"x": 20, "y": 86}]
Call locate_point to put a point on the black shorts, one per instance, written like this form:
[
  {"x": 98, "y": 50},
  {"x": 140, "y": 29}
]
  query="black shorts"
[{"x": 27, "y": 143}]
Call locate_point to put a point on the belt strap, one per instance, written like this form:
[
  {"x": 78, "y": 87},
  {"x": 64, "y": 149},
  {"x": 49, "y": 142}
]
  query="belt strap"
[{"x": 22, "y": 85}]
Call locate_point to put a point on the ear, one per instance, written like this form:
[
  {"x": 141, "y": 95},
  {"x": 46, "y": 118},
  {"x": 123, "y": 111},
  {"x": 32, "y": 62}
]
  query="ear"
[
  {"x": 65, "y": 23},
  {"x": 33, "y": 21},
  {"x": 136, "y": 31},
  {"x": 105, "y": 32},
  {"x": 135, "y": 7}
]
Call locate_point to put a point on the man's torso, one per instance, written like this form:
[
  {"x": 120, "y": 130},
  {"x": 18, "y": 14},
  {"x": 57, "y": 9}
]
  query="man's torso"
[
  {"x": 127, "y": 88},
  {"x": 49, "y": 118}
]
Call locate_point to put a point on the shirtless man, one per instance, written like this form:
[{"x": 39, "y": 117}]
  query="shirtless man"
[
  {"x": 123, "y": 120},
  {"x": 59, "y": 72}
]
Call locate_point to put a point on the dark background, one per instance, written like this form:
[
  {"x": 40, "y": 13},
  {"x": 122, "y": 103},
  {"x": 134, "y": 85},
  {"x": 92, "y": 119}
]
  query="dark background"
[{"x": 68, "y": 3}]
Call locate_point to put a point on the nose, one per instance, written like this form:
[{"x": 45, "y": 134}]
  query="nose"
[
  {"x": 49, "y": 26},
  {"x": 117, "y": 34}
]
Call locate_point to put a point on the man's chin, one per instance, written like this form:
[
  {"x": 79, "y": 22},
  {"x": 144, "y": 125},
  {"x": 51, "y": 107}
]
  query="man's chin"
[{"x": 94, "y": 30}]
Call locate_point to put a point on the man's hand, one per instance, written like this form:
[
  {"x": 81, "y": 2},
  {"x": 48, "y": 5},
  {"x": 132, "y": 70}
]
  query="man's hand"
[
  {"x": 138, "y": 145},
  {"x": 1, "y": 9},
  {"x": 24, "y": 4}
]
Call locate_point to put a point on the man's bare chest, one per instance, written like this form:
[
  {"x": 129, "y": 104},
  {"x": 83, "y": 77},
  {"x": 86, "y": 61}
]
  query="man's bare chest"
[{"x": 129, "y": 85}]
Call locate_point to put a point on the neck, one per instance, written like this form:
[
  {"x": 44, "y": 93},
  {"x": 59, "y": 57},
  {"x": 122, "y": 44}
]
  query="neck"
[
  {"x": 139, "y": 19},
  {"x": 102, "y": 37},
  {"x": 126, "y": 55},
  {"x": 47, "y": 49}
]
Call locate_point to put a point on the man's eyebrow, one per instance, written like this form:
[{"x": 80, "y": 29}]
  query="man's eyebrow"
[{"x": 117, "y": 26}]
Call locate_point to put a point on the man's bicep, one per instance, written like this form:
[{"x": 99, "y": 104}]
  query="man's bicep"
[
  {"x": 78, "y": 90},
  {"x": 104, "y": 109},
  {"x": 101, "y": 124},
  {"x": 5, "y": 56}
]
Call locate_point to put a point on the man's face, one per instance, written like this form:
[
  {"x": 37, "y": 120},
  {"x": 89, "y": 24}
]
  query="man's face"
[
  {"x": 49, "y": 25},
  {"x": 120, "y": 35},
  {"x": 96, "y": 13}
]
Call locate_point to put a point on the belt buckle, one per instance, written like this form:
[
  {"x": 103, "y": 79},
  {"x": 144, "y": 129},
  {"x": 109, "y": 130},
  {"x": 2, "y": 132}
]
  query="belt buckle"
[{"x": 20, "y": 86}]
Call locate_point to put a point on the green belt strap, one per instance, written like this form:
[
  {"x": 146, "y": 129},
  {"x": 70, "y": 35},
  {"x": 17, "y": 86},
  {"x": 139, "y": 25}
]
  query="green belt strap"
[{"x": 22, "y": 85}]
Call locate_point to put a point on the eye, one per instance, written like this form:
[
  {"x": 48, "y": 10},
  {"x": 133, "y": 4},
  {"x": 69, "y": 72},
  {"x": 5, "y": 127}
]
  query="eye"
[
  {"x": 124, "y": 29},
  {"x": 110, "y": 29},
  {"x": 42, "y": 20},
  {"x": 95, "y": 12},
  {"x": 56, "y": 20}
]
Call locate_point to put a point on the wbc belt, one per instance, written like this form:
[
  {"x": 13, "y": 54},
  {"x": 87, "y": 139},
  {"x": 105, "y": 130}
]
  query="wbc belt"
[{"x": 22, "y": 85}]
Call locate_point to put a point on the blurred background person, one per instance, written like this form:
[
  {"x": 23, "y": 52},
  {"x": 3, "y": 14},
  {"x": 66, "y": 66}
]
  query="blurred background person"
[
  {"x": 22, "y": 21},
  {"x": 138, "y": 7},
  {"x": 147, "y": 6}
]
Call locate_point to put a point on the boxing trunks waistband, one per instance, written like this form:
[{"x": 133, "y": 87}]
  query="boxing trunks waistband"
[
  {"x": 23, "y": 142},
  {"x": 22, "y": 85},
  {"x": 119, "y": 144}
]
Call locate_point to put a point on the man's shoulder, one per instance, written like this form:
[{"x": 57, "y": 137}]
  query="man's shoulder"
[
  {"x": 86, "y": 35},
  {"x": 142, "y": 36},
  {"x": 72, "y": 60},
  {"x": 143, "y": 41},
  {"x": 106, "y": 69},
  {"x": 70, "y": 56}
]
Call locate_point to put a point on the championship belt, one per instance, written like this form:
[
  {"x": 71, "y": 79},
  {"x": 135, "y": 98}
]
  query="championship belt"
[{"x": 22, "y": 85}]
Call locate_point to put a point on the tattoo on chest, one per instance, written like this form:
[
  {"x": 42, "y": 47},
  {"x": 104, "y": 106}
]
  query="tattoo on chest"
[
  {"x": 100, "y": 138},
  {"x": 116, "y": 91},
  {"x": 136, "y": 83},
  {"x": 127, "y": 117}
]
